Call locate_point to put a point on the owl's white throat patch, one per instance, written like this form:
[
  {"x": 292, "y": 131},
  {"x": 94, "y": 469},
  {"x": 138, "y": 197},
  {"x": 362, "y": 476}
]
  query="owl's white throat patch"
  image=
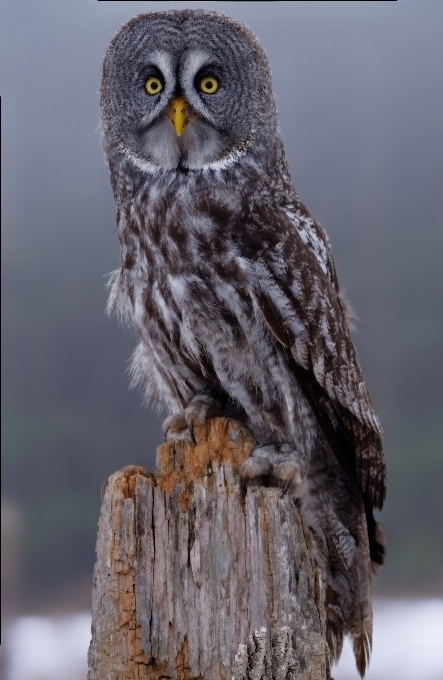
[{"x": 199, "y": 148}]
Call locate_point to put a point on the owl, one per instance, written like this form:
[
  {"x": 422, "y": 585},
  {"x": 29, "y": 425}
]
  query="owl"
[{"x": 230, "y": 284}]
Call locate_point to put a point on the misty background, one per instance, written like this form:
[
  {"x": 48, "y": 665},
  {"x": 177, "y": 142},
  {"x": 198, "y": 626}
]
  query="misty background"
[{"x": 359, "y": 89}]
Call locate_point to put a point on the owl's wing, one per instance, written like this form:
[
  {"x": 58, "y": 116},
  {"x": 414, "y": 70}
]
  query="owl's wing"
[
  {"x": 300, "y": 303},
  {"x": 312, "y": 235}
]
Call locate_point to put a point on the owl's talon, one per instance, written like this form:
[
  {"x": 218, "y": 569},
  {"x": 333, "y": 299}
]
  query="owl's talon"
[
  {"x": 192, "y": 433},
  {"x": 288, "y": 471},
  {"x": 255, "y": 466},
  {"x": 175, "y": 428},
  {"x": 181, "y": 425},
  {"x": 174, "y": 422},
  {"x": 279, "y": 464},
  {"x": 285, "y": 489}
]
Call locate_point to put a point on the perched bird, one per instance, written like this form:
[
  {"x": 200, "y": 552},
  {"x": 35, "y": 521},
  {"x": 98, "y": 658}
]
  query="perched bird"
[{"x": 230, "y": 283}]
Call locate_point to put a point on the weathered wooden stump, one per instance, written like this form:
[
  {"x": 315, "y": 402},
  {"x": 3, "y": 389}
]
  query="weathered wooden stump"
[{"x": 198, "y": 578}]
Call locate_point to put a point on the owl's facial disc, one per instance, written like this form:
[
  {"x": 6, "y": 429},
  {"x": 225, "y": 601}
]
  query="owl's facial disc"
[
  {"x": 184, "y": 133},
  {"x": 184, "y": 89}
]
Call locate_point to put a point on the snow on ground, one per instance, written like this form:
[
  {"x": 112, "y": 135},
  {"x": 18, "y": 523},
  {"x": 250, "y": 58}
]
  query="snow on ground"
[
  {"x": 408, "y": 645},
  {"x": 47, "y": 648}
]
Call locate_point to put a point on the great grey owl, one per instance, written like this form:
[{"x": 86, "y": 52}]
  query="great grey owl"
[{"x": 230, "y": 283}]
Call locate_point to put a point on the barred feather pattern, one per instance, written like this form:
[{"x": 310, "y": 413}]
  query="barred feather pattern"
[{"x": 231, "y": 285}]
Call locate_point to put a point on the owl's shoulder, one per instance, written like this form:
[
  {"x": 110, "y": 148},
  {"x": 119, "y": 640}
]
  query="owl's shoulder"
[{"x": 311, "y": 233}]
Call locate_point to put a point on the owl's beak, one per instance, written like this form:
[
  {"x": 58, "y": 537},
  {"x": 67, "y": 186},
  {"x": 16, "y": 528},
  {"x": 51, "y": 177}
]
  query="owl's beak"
[{"x": 178, "y": 115}]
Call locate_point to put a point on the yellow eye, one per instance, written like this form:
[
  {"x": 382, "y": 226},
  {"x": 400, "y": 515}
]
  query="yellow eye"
[
  {"x": 209, "y": 85},
  {"x": 153, "y": 85}
]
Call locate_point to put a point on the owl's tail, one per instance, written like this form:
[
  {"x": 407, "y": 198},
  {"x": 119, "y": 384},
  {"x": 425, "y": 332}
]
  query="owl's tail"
[
  {"x": 349, "y": 612},
  {"x": 349, "y": 592}
]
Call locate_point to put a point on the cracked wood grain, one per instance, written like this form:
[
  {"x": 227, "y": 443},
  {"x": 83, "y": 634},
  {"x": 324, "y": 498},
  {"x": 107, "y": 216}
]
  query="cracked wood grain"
[{"x": 197, "y": 578}]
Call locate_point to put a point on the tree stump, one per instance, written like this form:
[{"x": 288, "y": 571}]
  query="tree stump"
[{"x": 197, "y": 577}]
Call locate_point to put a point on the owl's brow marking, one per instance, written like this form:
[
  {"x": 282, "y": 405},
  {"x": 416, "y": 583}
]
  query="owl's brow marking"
[{"x": 162, "y": 60}]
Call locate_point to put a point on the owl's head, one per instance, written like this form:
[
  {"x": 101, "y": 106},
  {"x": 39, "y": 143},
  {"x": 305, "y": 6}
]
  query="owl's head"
[{"x": 185, "y": 89}]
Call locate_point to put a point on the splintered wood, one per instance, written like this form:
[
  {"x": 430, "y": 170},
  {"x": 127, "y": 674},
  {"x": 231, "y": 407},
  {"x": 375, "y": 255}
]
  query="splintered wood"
[{"x": 198, "y": 578}]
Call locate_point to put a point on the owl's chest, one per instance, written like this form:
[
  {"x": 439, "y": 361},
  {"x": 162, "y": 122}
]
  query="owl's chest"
[{"x": 186, "y": 277}]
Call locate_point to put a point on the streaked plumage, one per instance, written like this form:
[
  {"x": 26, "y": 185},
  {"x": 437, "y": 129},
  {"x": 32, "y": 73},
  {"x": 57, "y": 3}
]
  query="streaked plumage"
[{"x": 231, "y": 286}]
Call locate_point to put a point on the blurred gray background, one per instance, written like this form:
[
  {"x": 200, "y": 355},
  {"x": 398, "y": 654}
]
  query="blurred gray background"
[{"x": 360, "y": 95}]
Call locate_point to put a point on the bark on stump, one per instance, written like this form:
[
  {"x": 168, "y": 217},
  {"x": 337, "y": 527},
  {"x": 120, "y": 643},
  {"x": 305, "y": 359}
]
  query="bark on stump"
[{"x": 198, "y": 578}]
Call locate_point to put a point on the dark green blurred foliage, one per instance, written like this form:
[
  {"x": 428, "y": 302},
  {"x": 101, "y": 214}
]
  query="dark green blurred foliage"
[{"x": 360, "y": 99}]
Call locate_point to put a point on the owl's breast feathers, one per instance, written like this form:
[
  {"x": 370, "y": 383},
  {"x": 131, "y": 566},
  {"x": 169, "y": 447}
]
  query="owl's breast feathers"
[{"x": 209, "y": 255}]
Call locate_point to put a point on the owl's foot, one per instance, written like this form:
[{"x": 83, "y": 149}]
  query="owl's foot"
[
  {"x": 175, "y": 427},
  {"x": 276, "y": 465},
  {"x": 182, "y": 425}
]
